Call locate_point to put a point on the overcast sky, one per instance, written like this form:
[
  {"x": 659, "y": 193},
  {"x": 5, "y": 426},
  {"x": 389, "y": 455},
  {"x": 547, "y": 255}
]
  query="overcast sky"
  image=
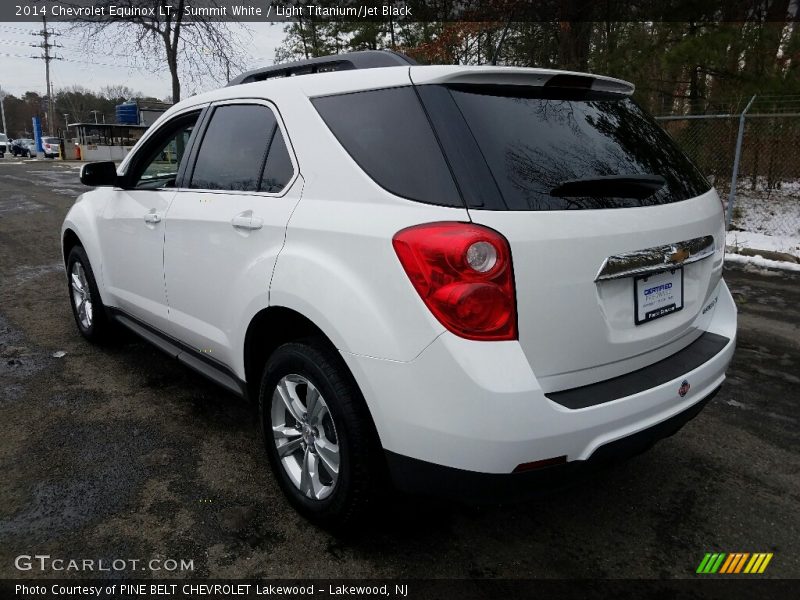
[{"x": 19, "y": 73}]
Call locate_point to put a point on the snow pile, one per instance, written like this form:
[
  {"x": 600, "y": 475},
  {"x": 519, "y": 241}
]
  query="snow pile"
[{"x": 761, "y": 262}]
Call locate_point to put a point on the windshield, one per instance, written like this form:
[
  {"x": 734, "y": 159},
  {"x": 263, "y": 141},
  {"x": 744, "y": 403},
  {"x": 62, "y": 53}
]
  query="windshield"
[{"x": 556, "y": 154}]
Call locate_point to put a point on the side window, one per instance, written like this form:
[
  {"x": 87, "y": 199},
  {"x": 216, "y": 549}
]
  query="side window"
[
  {"x": 388, "y": 134},
  {"x": 278, "y": 169},
  {"x": 164, "y": 154},
  {"x": 234, "y": 148}
]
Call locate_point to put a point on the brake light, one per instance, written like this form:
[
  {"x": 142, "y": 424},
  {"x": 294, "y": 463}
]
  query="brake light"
[{"x": 463, "y": 273}]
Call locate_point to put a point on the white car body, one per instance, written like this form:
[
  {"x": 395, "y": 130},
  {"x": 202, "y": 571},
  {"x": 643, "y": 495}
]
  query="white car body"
[
  {"x": 50, "y": 147},
  {"x": 325, "y": 252}
]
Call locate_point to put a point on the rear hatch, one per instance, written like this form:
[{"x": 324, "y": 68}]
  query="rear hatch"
[{"x": 616, "y": 238}]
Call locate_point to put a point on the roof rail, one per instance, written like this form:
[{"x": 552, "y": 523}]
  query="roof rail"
[{"x": 364, "y": 59}]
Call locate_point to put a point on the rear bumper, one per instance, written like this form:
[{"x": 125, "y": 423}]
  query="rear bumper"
[
  {"x": 419, "y": 477},
  {"x": 478, "y": 407}
]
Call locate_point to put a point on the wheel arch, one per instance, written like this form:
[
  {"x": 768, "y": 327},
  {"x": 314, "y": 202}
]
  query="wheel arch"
[
  {"x": 69, "y": 240},
  {"x": 267, "y": 330},
  {"x": 277, "y": 325}
]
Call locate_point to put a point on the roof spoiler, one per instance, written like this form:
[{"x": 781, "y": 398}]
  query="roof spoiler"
[
  {"x": 365, "y": 59},
  {"x": 521, "y": 76}
]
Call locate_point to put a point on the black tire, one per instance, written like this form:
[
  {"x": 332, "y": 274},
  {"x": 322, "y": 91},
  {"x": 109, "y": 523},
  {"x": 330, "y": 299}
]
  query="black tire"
[
  {"x": 99, "y": 327},
  {"x": 360, "y": 468}
]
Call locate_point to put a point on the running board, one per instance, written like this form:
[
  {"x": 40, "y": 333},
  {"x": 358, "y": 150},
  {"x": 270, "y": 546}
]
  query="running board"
[{"x": 205, "y": 367}]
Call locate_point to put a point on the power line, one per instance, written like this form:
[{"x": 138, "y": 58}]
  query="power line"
[
  {"x": 17, "y": 55},
  {"x": 16, "y": 43},
  {"x": 5, "y": 27}
]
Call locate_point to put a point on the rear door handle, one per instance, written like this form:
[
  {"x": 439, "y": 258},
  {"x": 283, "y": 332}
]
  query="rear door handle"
[
  {"x": 246, "y": 220},
  {"x": 152, "y": 217}
]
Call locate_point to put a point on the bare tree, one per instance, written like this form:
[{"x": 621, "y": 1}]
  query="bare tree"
[
  {"x": 119, "y": 92},
  {"x": 155, "y": 33}
]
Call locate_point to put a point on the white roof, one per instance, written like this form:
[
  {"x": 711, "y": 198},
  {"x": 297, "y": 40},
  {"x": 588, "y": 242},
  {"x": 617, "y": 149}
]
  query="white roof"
[{"x": 337, "y": 82}]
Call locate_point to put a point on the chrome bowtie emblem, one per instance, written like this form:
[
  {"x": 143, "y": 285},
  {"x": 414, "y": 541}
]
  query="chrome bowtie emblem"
[{"x": 677, "y": 255}]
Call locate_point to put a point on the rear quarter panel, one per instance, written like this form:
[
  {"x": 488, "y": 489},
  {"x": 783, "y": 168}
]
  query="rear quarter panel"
[{"x": 338, "y": 266}]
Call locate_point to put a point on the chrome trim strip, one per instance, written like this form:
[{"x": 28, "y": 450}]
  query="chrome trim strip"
[{"x": 655, "y": 259}]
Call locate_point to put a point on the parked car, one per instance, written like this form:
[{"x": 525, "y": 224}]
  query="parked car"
[
  {"x": 23, "y": 147},
  {"x": 51, "y": 147},
  {"x": 467, "y": 281},
  {"x": 3, "y": 144}
]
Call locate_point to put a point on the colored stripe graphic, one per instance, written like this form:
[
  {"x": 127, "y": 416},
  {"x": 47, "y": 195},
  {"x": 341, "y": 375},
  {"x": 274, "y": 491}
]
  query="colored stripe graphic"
[
  {"x": 765, "y": 563},
  {"x": 731, "y": 561},
  {"x": 741, "y": 562},
  {"x": 703, "y": 563},
  {"x": 711, "y": 563},
  {"x": 759, "y": 562},
  {"x": 734, "y": 562}
]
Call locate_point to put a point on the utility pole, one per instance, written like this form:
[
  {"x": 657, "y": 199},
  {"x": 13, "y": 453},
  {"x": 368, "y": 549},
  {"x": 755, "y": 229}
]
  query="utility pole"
[
  {"x": 3, "y": 110},
  {"x": 46, "y": 45},
  {"x": 94, "y": 112}
]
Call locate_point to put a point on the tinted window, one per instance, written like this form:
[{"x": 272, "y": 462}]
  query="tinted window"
[
  {"x": 233, "y": 149},
  {"x": 278, "y": 169},
  {"x": 535, "y": 145},
  {"x": 388, "y": 134}
]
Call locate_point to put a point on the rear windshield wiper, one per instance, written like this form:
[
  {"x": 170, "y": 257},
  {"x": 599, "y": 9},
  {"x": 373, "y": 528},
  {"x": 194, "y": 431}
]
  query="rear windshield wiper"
[{"x": 610, "y": 186}]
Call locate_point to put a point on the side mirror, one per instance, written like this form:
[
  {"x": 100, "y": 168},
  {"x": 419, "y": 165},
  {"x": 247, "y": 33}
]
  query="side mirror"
[{"x": 97, "y": 174}]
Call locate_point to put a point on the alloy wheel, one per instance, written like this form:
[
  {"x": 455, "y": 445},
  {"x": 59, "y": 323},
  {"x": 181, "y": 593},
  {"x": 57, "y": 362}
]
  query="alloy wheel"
[
  {"x": 81, "y": 295},
  {"x": 305, "y": 437}
]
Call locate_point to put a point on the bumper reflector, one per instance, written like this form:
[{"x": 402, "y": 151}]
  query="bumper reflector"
[{"x": 540, "y": 464}]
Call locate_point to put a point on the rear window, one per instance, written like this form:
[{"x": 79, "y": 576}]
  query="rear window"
[
  {"x": 50, "y": 140},
  {"x": 556, "y": 154},
  {"x": 388, "y": 134}
]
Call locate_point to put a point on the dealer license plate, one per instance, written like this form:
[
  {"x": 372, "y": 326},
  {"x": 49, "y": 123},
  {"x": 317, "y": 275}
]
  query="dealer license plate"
[{"x": 657, "y": 295}]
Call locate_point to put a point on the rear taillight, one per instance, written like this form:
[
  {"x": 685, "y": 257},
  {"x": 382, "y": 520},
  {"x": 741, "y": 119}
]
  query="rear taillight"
[{"x": 463, "y": 274}]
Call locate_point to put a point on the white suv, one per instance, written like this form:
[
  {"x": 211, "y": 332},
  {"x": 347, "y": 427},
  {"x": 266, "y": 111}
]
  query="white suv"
[{"x": 470, "y": 279}]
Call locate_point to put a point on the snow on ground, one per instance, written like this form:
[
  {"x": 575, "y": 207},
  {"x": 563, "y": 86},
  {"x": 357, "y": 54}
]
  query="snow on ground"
[
  {"x": 761, "y": 262},
  {"x": 765, "y": 219},
  {"x": 774, "y": 212},
  {"x": 761, "y": 241}
]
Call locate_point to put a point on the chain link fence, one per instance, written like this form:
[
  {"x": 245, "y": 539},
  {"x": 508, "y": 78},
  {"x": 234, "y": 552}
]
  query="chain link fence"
[{"x": 757, "y": 151}]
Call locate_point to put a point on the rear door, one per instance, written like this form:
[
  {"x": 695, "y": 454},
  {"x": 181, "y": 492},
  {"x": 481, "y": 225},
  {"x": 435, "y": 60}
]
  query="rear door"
[
  {"x": 226, "y": 225},
  {"x": 590, "y": 193}
]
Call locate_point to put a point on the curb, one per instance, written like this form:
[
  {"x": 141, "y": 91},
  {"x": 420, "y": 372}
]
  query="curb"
[
  {"x": 759, "y": 259},
  {"x": 768, "y": 254}
]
